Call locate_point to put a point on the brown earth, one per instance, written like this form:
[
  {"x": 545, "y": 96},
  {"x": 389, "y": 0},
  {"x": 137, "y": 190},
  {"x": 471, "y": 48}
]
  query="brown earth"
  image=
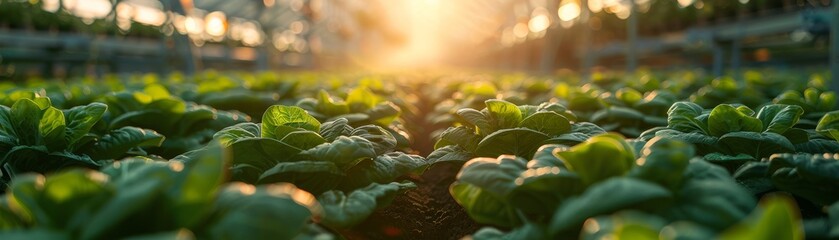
[{"x": 427, "y": 212}]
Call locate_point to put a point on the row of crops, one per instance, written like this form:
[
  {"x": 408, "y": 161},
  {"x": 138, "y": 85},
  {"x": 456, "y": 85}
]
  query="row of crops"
[{"x": 665, "y": 155}]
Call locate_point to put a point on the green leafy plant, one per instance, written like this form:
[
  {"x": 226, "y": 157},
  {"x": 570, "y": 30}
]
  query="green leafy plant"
[
  {"x": 328, "y": 160},
  {"x": 175, "y": 199},
  {"x": 187, "y": 126},
  {"x": 36, "y": 137},
  {"x": 555, "y": 193},
  {"x": 731, "y": 135},
  {"x": 504, "y": 128}
]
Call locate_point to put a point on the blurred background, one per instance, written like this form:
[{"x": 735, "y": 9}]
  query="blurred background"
[{"x": 58, "y": 38}]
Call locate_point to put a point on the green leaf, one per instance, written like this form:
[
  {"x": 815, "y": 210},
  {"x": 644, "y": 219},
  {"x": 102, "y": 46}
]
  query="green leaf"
[
  {"x": 726, "y": 119},
  {"x": 776, "y": 219},
  {"x": 829, "y": 125},
  {"x": 521, "y": 142},
  {"x": 280, "y": 120},
  {"x": 361, "y": 99},
  {"x": 346, "y": 210},
  {"x": 758, "y": 145},
  {"x": 663, "y": 161},
  {"x": 333, "y": 129},
  {"x": 26, "y": 116},
  {"x": 549, "y": 123},
  {"x": 482, "y": 188},
  {"x": 303, "y": 139},
  {"x": 382, "y": 140},
  {"x": 345, "y": 152},
  {"x": 477, "y": 119},
  {"x": 241, "y": 131},
  {"x": 196, "y": 184},
  {"x": 779, "y": 118},
  {"x": 503, "y": 114},
  {"x": 600, "y": 199},
  {"x": 599, "y": 158},
  {"x": 117, "y": 143},
  {"x": 461, "y": 136},
  {"x": 51, "y": 128},
  {"x": 275, "y": 211},
  {"x": 385, "y": 168},
  {"x": 330, "y": 107},
  {"x": 812, "y": 176},
  {"x": 682, "y": 116},
  {"x": 709, "y": 197},
  {"x": 450, "y": 153},
  {"x": 80, "y": 120},
  {"x": 262, "y": 153},
  {"x": 314, "y": 177}
]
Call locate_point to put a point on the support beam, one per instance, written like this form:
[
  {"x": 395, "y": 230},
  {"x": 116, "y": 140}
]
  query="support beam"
[
  {"x": 834, "y": 47},
  {"x": 632, "y": 32},
  {"x": 585, "y": 41},
  {"x": 719, "y": 59},
  {"x": 736, "y": 56},
  {"x": 183, "y": 45}
]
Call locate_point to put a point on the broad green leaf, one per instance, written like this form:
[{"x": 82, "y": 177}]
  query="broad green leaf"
[
  {"x": 758, "y": 145},
  {"x": 600, "y": 199},
  {"x": 346, "y": 210},
  {"x": 361, "y": 99},
  {"x": 117, "y": 143},
  {"x": 275, "y": 211},
  {"x": 503, "y": 114},
  {"x": 280, "y": 120},
  {"x": 726, "y": 119},
  {"x": 314, "y": 177},
  {"x": 383, "y": 114},
  {"x": 829, "y": 125},
  {"x": 710, "y": 197},
  {"x": 235, "y": 133},
  {"x": 303, "y": 139},
  {"x": 599, "y": 158},
  {"x": 330, "y": 107},
  {"x": 483, "y": 185},
  {"x": 345, "y": 152},
  {"x": 333, "y": 129},
  {"x": 449, "y": 153},
  {"x": 779, "y": 118},
  {"x": 521, "y": 142},
  {"x": 382, "y": 140},
  {"x": 777, "y": 218},
  {"x": 196, "y": 184},
  {"x": 663, "y": 161},
  {"x": 682, "y": 116},
  {"x": 51, "y": 128},
  {"x": 262, "y": 153},
  {"x": 461, "y": 136},
  {"x": 80, "y": 120},
  {"x": 812, "y": 176},
  {"x": 477, "y": 119},
  {"x": 26, "y": 116},
  {"x": 549, "y": 123},
  {"x": 385, "y": 168}
]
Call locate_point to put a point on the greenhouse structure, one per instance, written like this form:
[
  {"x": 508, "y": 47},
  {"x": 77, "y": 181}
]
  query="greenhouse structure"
[{"x": 419, "y": 119}]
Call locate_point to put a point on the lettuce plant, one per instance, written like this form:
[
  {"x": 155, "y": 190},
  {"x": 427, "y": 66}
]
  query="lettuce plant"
[
  {"x": 171, "y": 200},
  {"x": 731, "y": 135},
  {"x": 36, "y": 137},
  {"x": 630, "y": 112},
  {"x": 555, "y": 193},
  {"x": 815, "y": 103},
  {"x": 504, "y": 128},
  {"x": 361, "y": 107},
  {"x": 340, "y": 163},
  {"x": 187, "y": 126}
]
